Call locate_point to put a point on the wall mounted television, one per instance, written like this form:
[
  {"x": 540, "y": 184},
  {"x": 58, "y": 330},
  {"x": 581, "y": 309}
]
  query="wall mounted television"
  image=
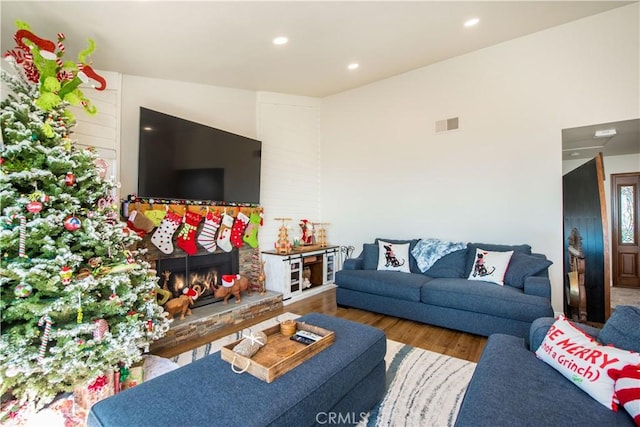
[{"x": 181, "y": 159}]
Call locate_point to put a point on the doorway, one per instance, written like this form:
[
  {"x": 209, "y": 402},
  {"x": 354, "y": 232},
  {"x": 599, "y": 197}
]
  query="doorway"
[
  {"x": 619, "y": 143},
  {"x": 625, "y": 207}
]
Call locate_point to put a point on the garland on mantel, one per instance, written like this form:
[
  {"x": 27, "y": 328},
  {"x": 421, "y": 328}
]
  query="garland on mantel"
[{"x": 132, "y": 198}]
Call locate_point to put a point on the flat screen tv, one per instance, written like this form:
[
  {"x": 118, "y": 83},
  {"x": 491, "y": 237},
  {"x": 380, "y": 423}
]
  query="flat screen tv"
[{"x": 180, "y": 159}]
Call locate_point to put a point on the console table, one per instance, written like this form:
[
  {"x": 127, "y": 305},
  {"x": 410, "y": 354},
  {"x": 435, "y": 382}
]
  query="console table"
[{"x": 286, "y": 273}]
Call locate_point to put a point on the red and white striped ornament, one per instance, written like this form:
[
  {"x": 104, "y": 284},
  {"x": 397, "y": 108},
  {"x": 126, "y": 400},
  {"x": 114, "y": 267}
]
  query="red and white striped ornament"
[
  {"x": 23, "y": 237},
  {"x": 23, "y": 232},
  {"x": 60, "y": 45},
  {"x": 47, "y": 322}
]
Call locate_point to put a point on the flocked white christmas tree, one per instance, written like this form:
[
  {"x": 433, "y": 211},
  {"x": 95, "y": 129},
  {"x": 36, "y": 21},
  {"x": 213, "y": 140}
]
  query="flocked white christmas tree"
[{"x": 76, "y": 299}]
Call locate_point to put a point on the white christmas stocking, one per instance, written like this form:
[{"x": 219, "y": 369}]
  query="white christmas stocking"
[
  {"x": 207, "y": 236},
  {"x": 162, "y": 237},
  {"x": 224, "y": 234}
]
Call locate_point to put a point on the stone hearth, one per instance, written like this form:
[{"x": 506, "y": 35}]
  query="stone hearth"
[{"x": 209, "y": 318}]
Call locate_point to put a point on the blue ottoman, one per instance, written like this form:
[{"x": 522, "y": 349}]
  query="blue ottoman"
[{"x": 335, "y": 386}]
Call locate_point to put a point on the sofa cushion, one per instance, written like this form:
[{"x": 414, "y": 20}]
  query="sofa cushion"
[
  {"x": 393, "y": 256},
  {"x": 584, "y": 361},
  {"x": 391, "y": 284},
  {"x": 471, "y": 251},
  {"x": 511, "y": 387},
  {"x": 450, "y": 266},
  {"x": 621, "y": 329},
  {"x": 522, "y": 266},
  {"x": 413, "y": 265},
  {"x": 370, "y": 256},
  {"x": 490, "y": 266},
  {"x": 486, "y": 298}
]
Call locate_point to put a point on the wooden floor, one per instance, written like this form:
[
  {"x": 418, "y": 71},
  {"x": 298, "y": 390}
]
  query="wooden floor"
[{"x": 446, "y": 341}]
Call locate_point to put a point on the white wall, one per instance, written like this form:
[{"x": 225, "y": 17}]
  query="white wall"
[
  {"x": 385, "y": 173},
  {"x": 289, "y": 129}
]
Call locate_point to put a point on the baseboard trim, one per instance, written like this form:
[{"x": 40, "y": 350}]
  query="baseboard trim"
[{"x": 309, "y": 293}]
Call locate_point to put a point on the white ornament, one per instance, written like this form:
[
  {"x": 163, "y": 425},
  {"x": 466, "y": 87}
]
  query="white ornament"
[{"x": 11, "y": 372}]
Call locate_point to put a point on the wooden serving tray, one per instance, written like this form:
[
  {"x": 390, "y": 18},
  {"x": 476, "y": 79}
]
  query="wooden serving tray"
[{"x": 280, "y": 354}]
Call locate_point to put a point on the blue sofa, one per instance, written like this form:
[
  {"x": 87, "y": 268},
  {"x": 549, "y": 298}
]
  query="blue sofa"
[
  {"x": 443, "y": 296},
  {"x": 511, "y": 386}
]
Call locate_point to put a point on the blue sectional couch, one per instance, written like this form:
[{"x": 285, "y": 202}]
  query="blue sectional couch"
[
  {"x": 511, "y": 386},
  {"x": 443, "y": 296}
]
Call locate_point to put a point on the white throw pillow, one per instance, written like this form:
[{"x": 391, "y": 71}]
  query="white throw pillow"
[
  {"x": 394, "y": 257},
  {"x": 590, "y": 365},
  {"x": 490, "y": 266}
]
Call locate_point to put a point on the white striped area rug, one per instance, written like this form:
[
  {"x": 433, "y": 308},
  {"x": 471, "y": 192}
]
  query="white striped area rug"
[{"x": 423, "y": 388}]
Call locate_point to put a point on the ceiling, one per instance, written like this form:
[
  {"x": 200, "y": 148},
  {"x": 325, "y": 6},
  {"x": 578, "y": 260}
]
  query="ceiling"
[
  {"x": 582, "y": 143},
  {"x": 229, "y": 44}
]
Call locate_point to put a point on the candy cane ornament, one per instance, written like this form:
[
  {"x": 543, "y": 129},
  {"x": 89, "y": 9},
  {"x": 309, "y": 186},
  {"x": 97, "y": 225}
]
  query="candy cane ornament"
[
  {"x": 23, "y": 237},
  {"x": 23, "y": 234},
  {"x": 47, "y": 322}
]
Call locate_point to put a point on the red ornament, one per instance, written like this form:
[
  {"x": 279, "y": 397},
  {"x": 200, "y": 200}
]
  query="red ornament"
[
  {"x": 72, "y": 223},
  {"x": 34, "y": 206},
  {"x": 70, "y": 179}
]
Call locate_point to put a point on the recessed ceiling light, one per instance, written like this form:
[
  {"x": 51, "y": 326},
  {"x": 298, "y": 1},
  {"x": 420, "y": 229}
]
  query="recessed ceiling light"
[
  {"x": 353, "y": 66},
  {"x": 280, "y": 40},
  {"x": 147, "y": 128},
  {"x": 471, "y": 22}
]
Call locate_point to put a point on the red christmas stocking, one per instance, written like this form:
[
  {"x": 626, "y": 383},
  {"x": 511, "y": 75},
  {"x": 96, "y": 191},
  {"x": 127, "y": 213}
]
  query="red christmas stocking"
[
  {"x": 237, "y": 231},
  {"x": 187, "y": 236}
]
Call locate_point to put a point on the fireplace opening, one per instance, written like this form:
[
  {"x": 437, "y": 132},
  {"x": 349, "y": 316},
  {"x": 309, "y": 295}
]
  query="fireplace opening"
[{"x": 201, "y": 273}]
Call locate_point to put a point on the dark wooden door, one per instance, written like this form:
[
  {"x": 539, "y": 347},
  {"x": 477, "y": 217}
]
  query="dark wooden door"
[
  {"x": 584, "y": 209},
  {"x": 625, "y": 207}
]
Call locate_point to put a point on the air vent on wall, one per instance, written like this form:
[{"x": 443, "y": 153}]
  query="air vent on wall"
[{"x": 447, "y": 125}]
